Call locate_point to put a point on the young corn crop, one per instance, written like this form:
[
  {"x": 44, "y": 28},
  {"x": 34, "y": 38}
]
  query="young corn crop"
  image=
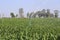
[{"x": 30, "y": 29}]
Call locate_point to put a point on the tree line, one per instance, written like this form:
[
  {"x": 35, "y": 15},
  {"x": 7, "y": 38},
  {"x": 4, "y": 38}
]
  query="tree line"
[{"x": 39, "y": 14}]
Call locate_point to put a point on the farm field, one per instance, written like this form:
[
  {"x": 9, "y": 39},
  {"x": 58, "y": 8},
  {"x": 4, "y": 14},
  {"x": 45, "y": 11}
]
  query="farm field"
[{"x": 30, "y": 29}]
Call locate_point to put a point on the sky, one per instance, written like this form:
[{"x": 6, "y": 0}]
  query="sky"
[{"x": 8, "y": 6}]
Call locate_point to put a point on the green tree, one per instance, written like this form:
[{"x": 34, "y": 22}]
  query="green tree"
[
  {"x": 28, "y": 15},
  {"x": 31, "y": 14},
  {"x": 56, "y": 13},
  {"x": 16, "y": 15},
  {"x": 38, "y": 14},
  {"x": 48, "y": 12},
  {"x": 12, "y": 14},
  {"x": 43, "y": 11}
]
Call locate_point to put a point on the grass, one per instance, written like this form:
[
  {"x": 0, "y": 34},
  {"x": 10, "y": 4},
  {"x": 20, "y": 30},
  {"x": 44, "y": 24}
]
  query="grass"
[{"x": 30, "y": 29}]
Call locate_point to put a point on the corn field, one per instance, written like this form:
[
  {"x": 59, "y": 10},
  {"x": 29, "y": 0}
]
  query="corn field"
[{"x": 30, "y": 29}]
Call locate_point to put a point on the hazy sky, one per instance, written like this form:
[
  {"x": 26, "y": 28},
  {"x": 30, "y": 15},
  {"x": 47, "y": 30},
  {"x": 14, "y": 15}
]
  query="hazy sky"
[{"x": 7, "y": 6}]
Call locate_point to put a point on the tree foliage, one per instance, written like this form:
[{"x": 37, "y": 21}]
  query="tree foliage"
[
  {"x": 28, "y": 15},
  {"x": 12, "y": 14},
  {"x": 56, "y": 13},
  {"x": 44, "y": 13}
]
